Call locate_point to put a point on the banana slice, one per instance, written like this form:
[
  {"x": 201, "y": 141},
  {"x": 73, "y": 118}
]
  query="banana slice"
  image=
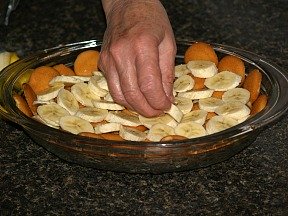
[
  {"x": 183, "y": 83},
  {"x": 107, "y": 127},
  {"x": 131, "y": 134},
  {"x": 223, "y": 81},
  {"x": 93, "y": 84},
  {"x": 202, "y": 69},
  {"x": 219, "y": 123},
  {"x": 122, "y": 118},
  {"x": 236, "y": 94},
  {"x": 158, "y": 131},
  {"x": 92, "y": 114},
  {"x": 67, "y": 100},
  {"x": 198, "y": 116},
  {"x": 190, "y": 130},
  {"x": 102, "y": 83},
  {"x": 84, "y": 94},
  {"x": 108, "y": 97},
  {"x": 235, "y": 110},
  {"x": 175, "y": 113},
  {"x": 163, "y": 119},
  {"x": 37, "y": 102},
  {"x": 184, "y": 104},
  {"x": 97, "y": 73},
  {"x": 39, "y": 119},
  {"x": 50, "y": 93},
  {"x": 181, "y": 69},
  {"x": 66, "y": 80},
  {"x": 75, "y": 124},
  {"x": 51, "y": 113},
  {"x": 108, "y": 105},
  {"x": 210, "y": 104},
  {"x": 196, "y": 94}
]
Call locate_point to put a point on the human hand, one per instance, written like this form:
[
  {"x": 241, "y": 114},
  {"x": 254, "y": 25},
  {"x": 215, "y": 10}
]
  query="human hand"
[{"x": 137, "y": 56}]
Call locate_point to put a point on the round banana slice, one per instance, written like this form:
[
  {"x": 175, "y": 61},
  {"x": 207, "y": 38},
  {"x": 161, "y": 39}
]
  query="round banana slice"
[
  {"x": 92, "y": 114},
  {"x": 93, "y": 84},
  {"x": 67, "y": 100},
  {"x": 108, "y": 97},
  {"x": 75, "y": 124},
  {"x": 123, "y": 118},
  {"x": 235, "y": 110},
  {"x": 219, "y": 123},
  {"x": 223, "y": 81},
  {"x": 50, "y": 93},
  {"x": 184, "y": 104},
  {"x": 210, "y": 104},
  {"x": 190, "y": 130},
  {"x": 84, "y": 94},
  {"x": 198, "y": 116},
  {"x": 164, "y": 119},
  {"x": 131, "y": 134},
  {"x": 181, "y": 69},
  {"x": 66, "y": 80},
  {"x": 107, "y": 127},
  {"x": 158, "y": 131},
  {"x": 196, "y": 94},
  {"x": 102, "y": 104},
  {"x": 175, "y": 113},
  {"x": 202, "y": 69},
  {"x": 51, "y": 113},
  {"x": 236, "y": 94},
  {"x": 183, "y": 83}
]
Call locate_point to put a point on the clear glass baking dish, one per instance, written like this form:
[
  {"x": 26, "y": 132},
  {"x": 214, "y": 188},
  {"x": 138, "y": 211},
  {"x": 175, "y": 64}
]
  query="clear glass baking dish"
[{"x": 145, "y": 157}]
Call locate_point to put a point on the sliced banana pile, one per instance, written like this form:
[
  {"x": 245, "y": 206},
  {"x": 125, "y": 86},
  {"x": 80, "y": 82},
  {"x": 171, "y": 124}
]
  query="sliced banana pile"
[{"x": 83, "y": 104}]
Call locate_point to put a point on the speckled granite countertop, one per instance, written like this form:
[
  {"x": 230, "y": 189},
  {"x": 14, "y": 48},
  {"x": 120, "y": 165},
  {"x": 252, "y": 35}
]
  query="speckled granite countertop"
[{"x": 254, "y": 182}]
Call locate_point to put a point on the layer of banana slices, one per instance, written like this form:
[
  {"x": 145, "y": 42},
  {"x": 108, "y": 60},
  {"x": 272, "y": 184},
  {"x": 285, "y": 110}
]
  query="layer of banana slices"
[{"x": 83, "y": 104}]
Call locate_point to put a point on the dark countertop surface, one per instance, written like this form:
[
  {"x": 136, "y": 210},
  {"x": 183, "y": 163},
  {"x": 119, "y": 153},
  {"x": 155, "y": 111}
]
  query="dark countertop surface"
[{"x": 253, "y": 182}]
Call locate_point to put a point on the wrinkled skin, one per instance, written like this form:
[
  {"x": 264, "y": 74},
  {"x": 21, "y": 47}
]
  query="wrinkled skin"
[{"x": 137, "y": 56}]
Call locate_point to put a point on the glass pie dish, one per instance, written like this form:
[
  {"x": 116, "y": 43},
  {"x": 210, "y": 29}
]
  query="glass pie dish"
[{"x": 144, "y": 157}]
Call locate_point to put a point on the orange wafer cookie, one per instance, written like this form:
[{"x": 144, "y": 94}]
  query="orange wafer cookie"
[
  {"x": 30, "y": 97},
  {"x": 217, "y": 94},
  {"x": 259, "y": 104},
  {"x": 200, "y": 51},
  {"x": 86, "y": 62},
  {"x": 40, "y": 78},
  {"x": 64, "y": 70},
  {"x": 22, "y": 105},
  {"x": 173, "y": 137},
  {"x": 252, "y": 83},
  {"x": 232, "y": 64}
]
